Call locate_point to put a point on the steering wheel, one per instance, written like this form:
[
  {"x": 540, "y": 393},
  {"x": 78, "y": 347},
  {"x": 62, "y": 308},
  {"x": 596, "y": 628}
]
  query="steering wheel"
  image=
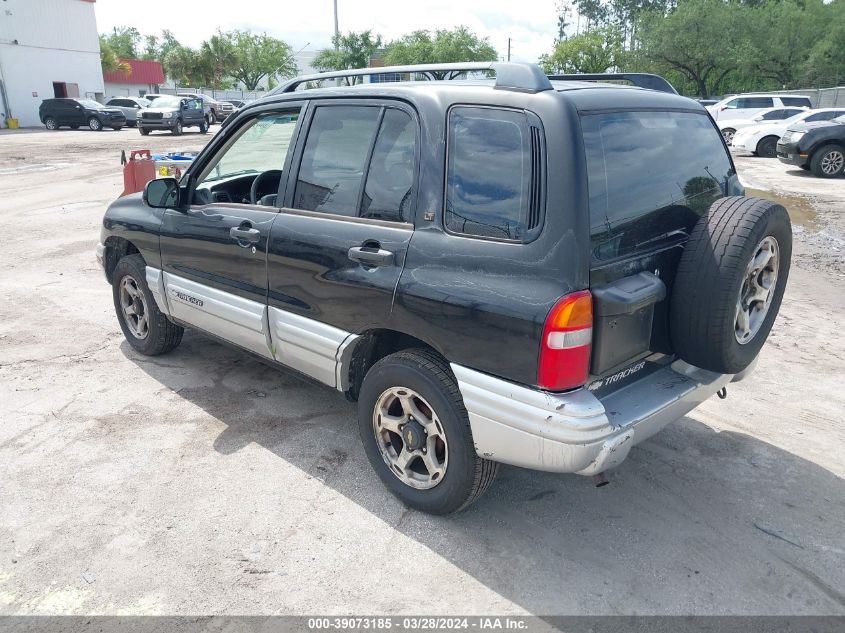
[{"x": 255, "y": 189}]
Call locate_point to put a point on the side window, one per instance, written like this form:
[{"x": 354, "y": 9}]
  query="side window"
[
  {"x": 488, "y": 178},
  {"x": 779, "y": 115},
  {"x": 825, "y": 116},
  {"x": 334, "y": 158},
  {"x": 796, "y": 101},
  {"x": 733, "y": 103},
  {"x": 260, "y": 146},
  {"x": 390, "y": 177}
]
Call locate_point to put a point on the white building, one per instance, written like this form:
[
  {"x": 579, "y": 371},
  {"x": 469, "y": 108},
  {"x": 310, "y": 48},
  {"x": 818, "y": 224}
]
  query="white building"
[{"x": 48, "y": 48}]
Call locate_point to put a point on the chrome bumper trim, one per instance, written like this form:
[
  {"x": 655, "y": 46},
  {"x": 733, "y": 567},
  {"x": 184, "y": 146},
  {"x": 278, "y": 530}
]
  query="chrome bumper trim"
[{"x": 576, "y": 432}]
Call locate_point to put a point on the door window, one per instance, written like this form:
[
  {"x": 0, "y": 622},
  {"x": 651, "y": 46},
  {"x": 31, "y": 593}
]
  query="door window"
[
  {"x": 260, "y": 146},
  {"x": 779, "y": 115},
  {"x": 334, "y": 159},
  {"x": 751, "y": 103},
  {"x": 390, "y": 177}
]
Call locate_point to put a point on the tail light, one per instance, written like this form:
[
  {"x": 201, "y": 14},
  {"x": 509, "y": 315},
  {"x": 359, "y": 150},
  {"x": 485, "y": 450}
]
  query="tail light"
[{"x": 565, "y": 348}]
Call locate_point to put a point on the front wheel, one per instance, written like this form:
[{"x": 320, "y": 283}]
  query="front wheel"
[
  {"x": 51, "y": 124},
  {"x": 204, "y": 127},
  {"x": 416, "y": 433},
  {"x": 144, "y": 131},
  {"x": 95, "y": 124},
  {"x": 145, "y": 327},
  {"x": 768, "y": 147},
  {"x": 828, "y": 161},
  {"x": 177, "y": 129}
]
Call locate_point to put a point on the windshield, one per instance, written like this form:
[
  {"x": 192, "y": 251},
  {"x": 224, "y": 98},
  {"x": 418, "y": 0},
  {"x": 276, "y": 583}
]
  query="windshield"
[
  {"x": 90, "y": 103},
  {"x": 168, "y": 102}
]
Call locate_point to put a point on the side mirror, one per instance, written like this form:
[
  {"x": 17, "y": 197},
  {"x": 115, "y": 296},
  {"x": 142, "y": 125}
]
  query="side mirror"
[{"x": 162, "y": 193}]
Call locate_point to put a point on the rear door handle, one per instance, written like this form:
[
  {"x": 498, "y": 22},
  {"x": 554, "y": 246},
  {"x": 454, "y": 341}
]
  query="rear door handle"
[
  {"x": 250, "y": 236},
  {"x": 371, "y": 256}
]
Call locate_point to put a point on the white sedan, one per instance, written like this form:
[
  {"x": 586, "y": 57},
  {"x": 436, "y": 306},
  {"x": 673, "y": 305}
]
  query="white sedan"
[
  {"x": 762, "y": 139},
  {"x": 729, "y": 127}
]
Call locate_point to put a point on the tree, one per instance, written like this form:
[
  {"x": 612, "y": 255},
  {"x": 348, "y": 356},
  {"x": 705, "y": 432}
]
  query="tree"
[
  {"x": 123, "y": 41},
  {"x": 826, "y": 62},
  {"x": 595, "y": 51},
  {"x": 702, "y": 40},
  {"x": 180, "y": 64},
  {"x": 352, "y": 50},
  {"x": 258, "y": 56},
  {"x": 441, "y": 47},
  {"x": 216, "y": 59},
  {"x": 157, "y": 48},
  {"x": 109, "y": 61}
]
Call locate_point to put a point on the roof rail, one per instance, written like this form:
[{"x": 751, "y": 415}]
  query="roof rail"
[
  {"x": 641, "y": 80},
  {"x": 509, "y": 75}
]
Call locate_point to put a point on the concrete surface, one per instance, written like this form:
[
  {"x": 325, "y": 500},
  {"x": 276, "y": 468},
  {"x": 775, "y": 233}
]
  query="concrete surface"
[{"x": 206, "y": 482}]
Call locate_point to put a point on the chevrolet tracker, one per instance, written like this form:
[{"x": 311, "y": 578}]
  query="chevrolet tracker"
[{"x": 530, "y": 270}]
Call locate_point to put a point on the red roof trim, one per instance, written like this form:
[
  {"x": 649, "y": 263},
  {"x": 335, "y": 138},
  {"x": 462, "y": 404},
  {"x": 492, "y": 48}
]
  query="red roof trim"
[{"x": 141, "y": 71}]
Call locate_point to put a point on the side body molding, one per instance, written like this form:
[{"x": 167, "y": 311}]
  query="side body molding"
[{"x": 316, "y": 349}]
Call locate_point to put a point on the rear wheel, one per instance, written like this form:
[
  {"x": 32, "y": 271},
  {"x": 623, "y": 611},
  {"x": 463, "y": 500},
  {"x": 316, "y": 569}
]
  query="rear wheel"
[
  {"x": 51, "y": 124},
  {"x": 828, "y": 161},
  {"x": 95, "y": 124},
  {"x": 416, "y": 433},
  {"x": 728, "y": 135},
  {"x": 145, "y": 327},
  {"x": 730, "y": 283},
  {"x": 767, "y": 147}
]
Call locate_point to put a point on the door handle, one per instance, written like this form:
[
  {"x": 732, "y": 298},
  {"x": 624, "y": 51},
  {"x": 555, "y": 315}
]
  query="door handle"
[
  {"x": 250, "y": 236},
  {"x": 372, "y": 256}
]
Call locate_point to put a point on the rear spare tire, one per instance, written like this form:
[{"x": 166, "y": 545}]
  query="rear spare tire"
[{"x": 730, "y": 283}]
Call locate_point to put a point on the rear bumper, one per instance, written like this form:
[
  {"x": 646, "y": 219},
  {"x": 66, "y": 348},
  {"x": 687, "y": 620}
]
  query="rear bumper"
[{"x": 577, "y": 432}]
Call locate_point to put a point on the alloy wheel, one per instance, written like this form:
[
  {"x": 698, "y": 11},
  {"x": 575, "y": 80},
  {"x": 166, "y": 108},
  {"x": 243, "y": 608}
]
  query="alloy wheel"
[
  {"x": 410, "y": 438},
  {"x": 832, "y": 162},
  {"x": 757, "y": 290},
  {"x": 133, "y": 305}
]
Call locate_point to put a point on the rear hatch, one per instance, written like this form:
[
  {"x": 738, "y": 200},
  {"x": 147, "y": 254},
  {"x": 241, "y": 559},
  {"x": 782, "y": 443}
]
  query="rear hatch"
[{"x": 652, "y": 174}]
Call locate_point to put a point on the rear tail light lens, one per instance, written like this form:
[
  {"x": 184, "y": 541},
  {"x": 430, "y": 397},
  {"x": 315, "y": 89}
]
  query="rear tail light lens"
[{"x": 567, "y": 338}]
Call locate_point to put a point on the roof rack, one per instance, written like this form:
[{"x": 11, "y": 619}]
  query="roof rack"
[
  {"x": 518, "y": 76},
  {"x": 509, "y": 75},
  {"x": 641, "y": 80}
]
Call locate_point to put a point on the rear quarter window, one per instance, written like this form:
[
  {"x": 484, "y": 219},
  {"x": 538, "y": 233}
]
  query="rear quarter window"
[
  {"x": 651, "y": 176},
  {"x": 796, "y": 101}
]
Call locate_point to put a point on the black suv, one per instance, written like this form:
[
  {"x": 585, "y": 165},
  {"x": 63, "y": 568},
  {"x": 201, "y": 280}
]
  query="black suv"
[
  {"x": 54, "y": 113},
  {"x": 532, "y": 270},
  {"x": 818, "y": 146}
]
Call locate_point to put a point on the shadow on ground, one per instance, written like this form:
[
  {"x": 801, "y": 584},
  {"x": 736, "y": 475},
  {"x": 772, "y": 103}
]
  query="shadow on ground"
[{"x": 694, "y": 521}]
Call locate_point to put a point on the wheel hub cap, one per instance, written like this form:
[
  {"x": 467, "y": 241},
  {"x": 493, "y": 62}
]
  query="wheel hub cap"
[
  {"x": 757, "y": 290},
  {"x": 410, "y": 438}
]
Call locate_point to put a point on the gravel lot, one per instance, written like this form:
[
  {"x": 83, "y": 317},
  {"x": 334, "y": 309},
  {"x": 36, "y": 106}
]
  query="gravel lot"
[{"x": 206, "y": 482}]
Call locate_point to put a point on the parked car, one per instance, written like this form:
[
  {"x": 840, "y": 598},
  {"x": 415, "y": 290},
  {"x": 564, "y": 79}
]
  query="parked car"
[
  {"x": 708, "y": 102},
  {"x": 74, "y": 113},
  {"x": 730, "y": 126},
  {"x": 173, "y": 114},
  {"x": 403, "y": 244},
  {"x": 237, "y": 103},
  {"x": 762, "y": 139},
  {"x": 818, "y": 146},
  {"x": 153, "y": 96},
  {"x": 130, "y": 106},
  {"x": 217, "y": 110},
  {"x": 747, "y": 105}
]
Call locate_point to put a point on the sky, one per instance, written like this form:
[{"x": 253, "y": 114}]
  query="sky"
[{"x": 308, "y": 25}]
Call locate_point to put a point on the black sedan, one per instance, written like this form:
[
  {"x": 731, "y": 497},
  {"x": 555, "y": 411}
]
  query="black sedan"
[{"x": 818, "y": 146}]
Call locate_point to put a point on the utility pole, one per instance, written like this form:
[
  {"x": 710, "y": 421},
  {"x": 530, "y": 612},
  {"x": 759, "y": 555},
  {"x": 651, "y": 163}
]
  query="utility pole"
[
  {"x": 336, "y": 31},
  {"x": 509, "y": 46}
]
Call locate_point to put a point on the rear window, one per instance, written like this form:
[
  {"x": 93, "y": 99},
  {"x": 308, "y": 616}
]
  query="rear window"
[
  {"x": 651, "y": 176},
  {"x": 796, "y": 101}
]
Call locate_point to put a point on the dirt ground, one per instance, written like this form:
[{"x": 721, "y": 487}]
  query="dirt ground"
[{"x": 206, "y": 482}]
